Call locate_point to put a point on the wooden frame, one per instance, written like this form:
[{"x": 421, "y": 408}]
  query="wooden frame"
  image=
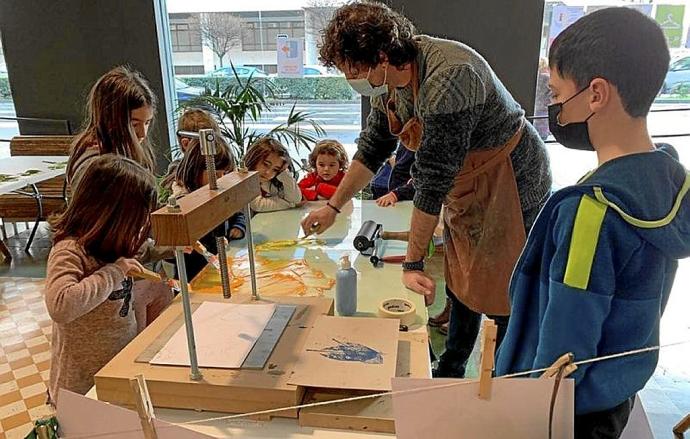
[
  {"x": 222, "y": 390},
  {"x": 202, "y": 210}
]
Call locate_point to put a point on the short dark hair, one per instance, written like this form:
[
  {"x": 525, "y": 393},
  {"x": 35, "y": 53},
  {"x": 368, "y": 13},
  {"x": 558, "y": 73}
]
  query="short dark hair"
[
  {"x": 621, "y": 45},
  {"x": 359, "y": 31}
]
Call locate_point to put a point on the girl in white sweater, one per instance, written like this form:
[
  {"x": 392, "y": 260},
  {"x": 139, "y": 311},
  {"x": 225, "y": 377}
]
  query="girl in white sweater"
[{"x": 279, "y": 191}]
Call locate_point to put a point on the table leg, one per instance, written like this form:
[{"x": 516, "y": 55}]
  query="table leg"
[{"x": 5, "y": 251}]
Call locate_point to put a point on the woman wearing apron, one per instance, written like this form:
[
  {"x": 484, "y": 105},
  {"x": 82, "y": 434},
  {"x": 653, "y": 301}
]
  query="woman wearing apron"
[{"x": 476, "y": 158}]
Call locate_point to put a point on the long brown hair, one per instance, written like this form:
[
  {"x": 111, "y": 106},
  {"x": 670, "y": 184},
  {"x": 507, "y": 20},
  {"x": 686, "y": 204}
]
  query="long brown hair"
[
  {"x": 112, "y": 218},
  {"x": 193, "y": 165},
  {"x": 108, "y": 112},
  {"x": 330, "y": 147},
  {"x": 261, "y": 149}
]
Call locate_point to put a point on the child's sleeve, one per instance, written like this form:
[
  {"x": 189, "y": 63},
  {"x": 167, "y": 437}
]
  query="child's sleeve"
[
  {"x": 326, "y": 190},
  {"x": 269, "y": 204},
  {"x": 237, "y": 221},
  {"x": 67, "y": 296},
  {"x": 305, "y": 186},
  {"x": 591, "y": 245},
  {"x": 405, "y": 192},
  {"x": 291, "y": 192}
]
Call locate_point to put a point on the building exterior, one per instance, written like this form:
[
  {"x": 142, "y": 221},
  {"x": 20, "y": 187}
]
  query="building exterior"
[{"x": 260, "y": 25}]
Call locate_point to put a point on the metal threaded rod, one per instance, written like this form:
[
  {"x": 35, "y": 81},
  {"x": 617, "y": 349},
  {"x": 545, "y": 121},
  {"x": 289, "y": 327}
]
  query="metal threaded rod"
[
  {"x": 211, "y": 169},
  {"x": 224, "y": 271},
  {"x": 250, "y": 250}
]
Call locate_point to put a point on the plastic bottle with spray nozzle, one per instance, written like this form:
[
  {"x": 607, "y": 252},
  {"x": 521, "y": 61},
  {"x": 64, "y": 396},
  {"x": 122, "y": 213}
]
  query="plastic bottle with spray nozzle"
[{"x": 346, "y": 288}]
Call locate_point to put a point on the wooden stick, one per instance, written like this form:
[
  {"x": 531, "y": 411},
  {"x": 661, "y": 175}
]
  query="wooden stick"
[
  {"x": 683, "y": 426},
  {"x": 487, "y": 364},
  {"x": 147, "y": 275},
  {"x": 144, "y": 406}
]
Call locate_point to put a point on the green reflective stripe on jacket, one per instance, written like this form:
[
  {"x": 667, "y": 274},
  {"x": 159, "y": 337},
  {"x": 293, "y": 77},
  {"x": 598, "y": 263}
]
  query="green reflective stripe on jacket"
[
  {"x": 599, "y": 194},
  {"x": 583, "y": 242}
]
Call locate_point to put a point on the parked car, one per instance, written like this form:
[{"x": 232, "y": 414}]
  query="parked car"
[
  {"x": 242, "y": 72},
  {"x": 315, "y": 71},
  {"x": 186, "y": 92},
  {"x": 677, "y": 76},
  {"x": 312, "y": 71}
]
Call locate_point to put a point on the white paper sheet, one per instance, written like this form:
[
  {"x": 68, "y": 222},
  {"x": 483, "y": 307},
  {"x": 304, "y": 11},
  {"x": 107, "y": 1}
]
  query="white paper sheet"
[{"x": 224, "y": 335}]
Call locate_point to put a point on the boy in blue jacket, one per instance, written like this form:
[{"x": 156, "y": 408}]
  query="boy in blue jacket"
[{"x": 597, "y": 269}]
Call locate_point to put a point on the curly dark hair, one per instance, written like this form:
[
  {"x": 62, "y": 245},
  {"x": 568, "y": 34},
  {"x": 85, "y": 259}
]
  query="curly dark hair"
[{"x": 360, "y": 31}]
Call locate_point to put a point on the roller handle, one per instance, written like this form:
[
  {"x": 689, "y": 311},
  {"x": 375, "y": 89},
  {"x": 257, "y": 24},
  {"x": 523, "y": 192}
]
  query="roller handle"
[{"x": 396, "y": 236}]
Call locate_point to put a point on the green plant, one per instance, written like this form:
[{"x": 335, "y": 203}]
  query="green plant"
[
  {"x": 241, "y": 102},
  {"x": 5, "y": 89}
]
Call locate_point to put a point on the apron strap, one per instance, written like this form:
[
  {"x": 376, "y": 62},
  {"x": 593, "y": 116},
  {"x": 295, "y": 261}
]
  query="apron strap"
[{"x": 501, "y": 153}]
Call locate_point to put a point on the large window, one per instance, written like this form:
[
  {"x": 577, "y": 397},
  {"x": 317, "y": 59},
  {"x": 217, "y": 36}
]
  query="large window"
[
  {"x": 8, "y": 125},
  {"x": 322, "y": 93},
  {"x": 670, "y": 118}
]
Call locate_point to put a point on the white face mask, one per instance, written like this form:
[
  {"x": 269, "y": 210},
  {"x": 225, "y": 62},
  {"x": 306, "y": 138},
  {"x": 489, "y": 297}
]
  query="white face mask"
[{"x": 364, "y": 87}]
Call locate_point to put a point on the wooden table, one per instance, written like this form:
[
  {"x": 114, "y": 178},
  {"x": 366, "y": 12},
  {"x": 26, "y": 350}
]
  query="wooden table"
[
  {"x": 374, "y": 284},
  {"x": 19, "y": 164}
]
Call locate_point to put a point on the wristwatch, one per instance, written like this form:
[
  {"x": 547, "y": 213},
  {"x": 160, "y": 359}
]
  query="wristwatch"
[{"x": 413, "y": 266}]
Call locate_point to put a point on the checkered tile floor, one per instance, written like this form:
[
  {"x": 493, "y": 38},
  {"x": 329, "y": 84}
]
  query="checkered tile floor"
[{"x": 25, "y": 329}]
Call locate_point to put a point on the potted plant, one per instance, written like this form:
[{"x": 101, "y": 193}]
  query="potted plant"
[{"x": 242, "y": 102}]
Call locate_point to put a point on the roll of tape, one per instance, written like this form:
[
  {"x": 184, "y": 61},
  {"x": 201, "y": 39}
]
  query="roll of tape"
[{"x": 397, "y": 308}]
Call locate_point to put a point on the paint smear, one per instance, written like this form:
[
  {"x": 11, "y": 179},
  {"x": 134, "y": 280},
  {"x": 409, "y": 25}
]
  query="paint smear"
[
  {"x": 289, "y": 243},
  {"x": 346, "y": 351},
  {"x": 278, "y": 277}
]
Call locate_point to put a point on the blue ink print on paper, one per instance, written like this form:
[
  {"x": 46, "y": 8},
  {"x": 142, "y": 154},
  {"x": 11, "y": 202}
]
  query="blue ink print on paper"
[{"x": 345, "y": 351}]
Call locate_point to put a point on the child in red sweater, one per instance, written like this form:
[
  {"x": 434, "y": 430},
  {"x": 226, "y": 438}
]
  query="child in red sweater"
[{"x": 329, "y": 162}]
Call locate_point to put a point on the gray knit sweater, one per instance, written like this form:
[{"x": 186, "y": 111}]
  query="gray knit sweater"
[{"x": 463, "y": 107}]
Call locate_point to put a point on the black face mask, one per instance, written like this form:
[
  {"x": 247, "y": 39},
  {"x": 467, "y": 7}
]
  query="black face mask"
[{"x": 573, "y": 135}]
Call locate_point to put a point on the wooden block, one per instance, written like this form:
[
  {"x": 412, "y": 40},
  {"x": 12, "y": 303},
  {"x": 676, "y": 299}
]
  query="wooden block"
[
  {"x": 222, "y": 390},
  {"x": 375, "y": 414},
  {"x": 40, "y": 145},
  {"x": 204, "y": 209}
]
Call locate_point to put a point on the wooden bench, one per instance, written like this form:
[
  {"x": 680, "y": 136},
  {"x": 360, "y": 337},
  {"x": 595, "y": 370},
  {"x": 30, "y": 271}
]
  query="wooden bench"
[{"x": 21, "y": 208}]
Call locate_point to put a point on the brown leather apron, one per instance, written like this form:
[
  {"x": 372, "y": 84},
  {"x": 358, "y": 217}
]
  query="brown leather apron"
[{"x": 484, "y": 231}]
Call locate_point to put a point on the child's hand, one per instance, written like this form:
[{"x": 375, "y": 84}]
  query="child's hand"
[
  {"x": 129, "y": 266},
  {"x": 387, "y": 200},
  {"x": 236, "y": 233}
]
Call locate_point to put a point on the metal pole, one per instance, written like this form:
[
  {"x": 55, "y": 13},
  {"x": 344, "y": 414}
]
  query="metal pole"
[
  {"x": 207, "y": 143},
  {"x": 250, "y": 250},
  {"x": 195, "y": 373}
]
